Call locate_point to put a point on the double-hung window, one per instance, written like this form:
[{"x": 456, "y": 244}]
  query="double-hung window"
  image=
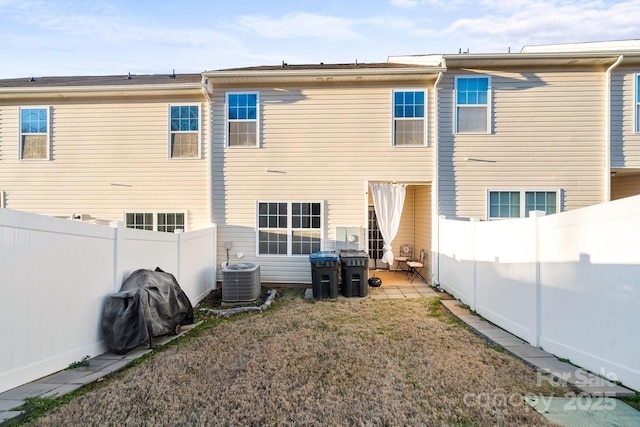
[
  {"x": 34, "y": 133},
  {"x": 156, "y": 221},
  {"x": 638, "y": 103},
  {"x": 289, "y": 228},
  {"x": 518, "y": 204},
  {"x": 472, "y": 104},
  {"x": 242, "y": 119},
  {"x": 184, "y": 124},
  {"x": 408, "y": 118}
]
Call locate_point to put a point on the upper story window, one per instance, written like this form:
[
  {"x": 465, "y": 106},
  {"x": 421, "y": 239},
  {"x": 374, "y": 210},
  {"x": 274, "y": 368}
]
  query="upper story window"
[
  {"x": 242, "y": 119},
  {"x": 34, "y": 133},
  {"x": 185, "y": 131},
  {"x": 518, "y": 204},
  {"x": 408, "y": 118},
  {"x": 472, "y": 104},
  {"x": 289, "y": 228}
]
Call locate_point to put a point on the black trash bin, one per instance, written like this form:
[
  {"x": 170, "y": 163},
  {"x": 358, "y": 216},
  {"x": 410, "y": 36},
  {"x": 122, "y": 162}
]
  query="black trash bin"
[
  {"x": 324, "y": 274},
  {"x": 354, "y": 273}
]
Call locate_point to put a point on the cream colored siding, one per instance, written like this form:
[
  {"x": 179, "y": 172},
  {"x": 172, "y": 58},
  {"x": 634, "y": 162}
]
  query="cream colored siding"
[
  {"x": 625, "y": 141},
  {"x": 108, "y": 156},
  {"x": 625, "y": 186},
  {"x": 547, "y": 134},
  {"x": 422, "y": 197},
  {"x": 415, "y": 224},
  {"x": 318, "y": 143}
]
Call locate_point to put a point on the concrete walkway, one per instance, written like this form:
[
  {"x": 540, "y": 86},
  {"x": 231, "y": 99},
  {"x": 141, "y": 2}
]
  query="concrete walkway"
[
  {"x": 588, "y": 383},
  {"x": 69, "y": 380}
]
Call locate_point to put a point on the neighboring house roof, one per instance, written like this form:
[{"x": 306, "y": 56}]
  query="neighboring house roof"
[
  {"x": 320, "y": 66},
  {"x": 323, "y": 73},
  {"x": 120, "y": 80},
  {"x": 602, "y": 46},
  {"x": 565, "y": 59},
  {"x": 91, "y": 85}
]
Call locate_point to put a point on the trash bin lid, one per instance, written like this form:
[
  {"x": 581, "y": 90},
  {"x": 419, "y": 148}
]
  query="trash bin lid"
[
  {"x": 324, "y": 256},
  {"x": 351, "y": 253}
]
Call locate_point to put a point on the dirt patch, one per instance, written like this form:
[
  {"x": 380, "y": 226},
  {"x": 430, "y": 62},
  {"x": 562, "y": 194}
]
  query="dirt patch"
[{"x": 352, "y": 362}]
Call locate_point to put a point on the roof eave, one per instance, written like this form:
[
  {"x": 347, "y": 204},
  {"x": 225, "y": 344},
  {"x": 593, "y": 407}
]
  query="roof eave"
[
  {"x": 85, "y": 91},
  {"x": 528, "y": 59},
  {"x": 294, "y": 75}
]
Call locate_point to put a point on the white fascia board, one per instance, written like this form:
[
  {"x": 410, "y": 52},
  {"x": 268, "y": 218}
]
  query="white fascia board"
[{"x": 322, "y": 72}]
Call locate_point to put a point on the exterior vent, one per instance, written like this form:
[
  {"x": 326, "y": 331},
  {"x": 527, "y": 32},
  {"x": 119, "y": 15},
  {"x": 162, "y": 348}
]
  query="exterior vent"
[{"x": 241, "y": 282}]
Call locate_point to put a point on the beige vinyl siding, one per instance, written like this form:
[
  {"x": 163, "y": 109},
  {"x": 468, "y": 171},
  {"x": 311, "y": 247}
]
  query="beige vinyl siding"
[
  {"x": 625, "y": 141},
  {"x": 625, "y": 186},
  {"x": 108, "y": 156},
  {"x": 318, "y": 143},
  {"x": 547, "y": 133},
  {"x": 422, "y": 196},
  {"x": 415, "y": 225}
]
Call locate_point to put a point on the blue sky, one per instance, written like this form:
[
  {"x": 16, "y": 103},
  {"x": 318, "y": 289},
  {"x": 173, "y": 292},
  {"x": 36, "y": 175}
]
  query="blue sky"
[{"x": 59, "y": 37}]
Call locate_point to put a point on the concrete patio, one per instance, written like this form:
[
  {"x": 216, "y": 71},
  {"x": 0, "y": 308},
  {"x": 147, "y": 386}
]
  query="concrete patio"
[{"x": 395, "y": 285}]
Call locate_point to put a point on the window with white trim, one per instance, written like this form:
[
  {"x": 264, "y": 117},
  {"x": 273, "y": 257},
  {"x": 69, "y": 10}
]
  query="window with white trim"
[
  {"x": 156, "y": 221},
  {"x": 472, "y": 104},
  {"x": 637, "y": 102},
  {"x": 242, "y": 119},
  {"x": 34, "y": 133},
  {"x": 409, "y": 117},
  {"x": 184, "y": 130},
  {"x": 289, "y": 228},
  {"x": 518, "y": 204}
]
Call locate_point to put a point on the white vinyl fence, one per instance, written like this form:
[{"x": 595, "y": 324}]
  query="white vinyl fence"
[
  {"x": 55, "y": 276},
  {"x": 568, "y": 283}
]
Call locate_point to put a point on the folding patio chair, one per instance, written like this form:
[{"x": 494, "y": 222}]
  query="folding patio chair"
[
  {"x": 404, "y": 256},
  {"x": 415, "y": 267}
]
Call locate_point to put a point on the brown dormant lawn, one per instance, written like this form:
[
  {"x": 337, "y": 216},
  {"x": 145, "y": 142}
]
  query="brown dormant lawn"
[{"x": 348, "y": 362}]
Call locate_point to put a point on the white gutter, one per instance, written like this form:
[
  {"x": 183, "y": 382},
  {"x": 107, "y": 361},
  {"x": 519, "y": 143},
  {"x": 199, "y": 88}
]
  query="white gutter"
[
  {"x": 607, "y": 130},
  {"x": 313, "y": 72},
  {"x": 435, "y": 185}
]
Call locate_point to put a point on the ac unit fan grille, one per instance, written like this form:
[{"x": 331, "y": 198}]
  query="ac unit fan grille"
[{"x": 241, "y": 283}]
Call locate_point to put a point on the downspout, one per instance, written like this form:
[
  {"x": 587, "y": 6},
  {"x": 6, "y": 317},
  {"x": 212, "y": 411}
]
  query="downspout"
[
  {"x": 435, "y": 189},
  {"x": 208, "y": 135},
  {"x": 607, "y": 130}
]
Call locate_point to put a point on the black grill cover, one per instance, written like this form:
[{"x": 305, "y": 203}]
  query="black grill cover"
[{"x": 149, "y": 304}]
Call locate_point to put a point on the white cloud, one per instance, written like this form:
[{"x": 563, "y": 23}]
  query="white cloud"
[
  {"x": 404, "y": 3},
  {"x": 514, "y": 23},
  {"x": 301, "y": 25}
]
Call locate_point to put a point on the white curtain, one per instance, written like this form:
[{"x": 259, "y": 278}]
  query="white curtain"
[{"x": 388, "y": 201}]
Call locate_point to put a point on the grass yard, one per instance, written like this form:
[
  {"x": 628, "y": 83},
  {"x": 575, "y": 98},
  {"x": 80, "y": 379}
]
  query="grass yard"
[{"x": 352, "y": 362}]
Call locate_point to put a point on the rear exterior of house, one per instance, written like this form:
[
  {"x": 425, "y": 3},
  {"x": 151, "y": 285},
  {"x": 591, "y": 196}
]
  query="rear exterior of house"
[
  {"x": 295, "y": 148},
  {"x": 521, "y": 135},
  {"x": 281, "y": 158},
  {"x": 110, "y": 148},
  {"x": 625, "y": 129},
  {"x": 547, "y": 129}
]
